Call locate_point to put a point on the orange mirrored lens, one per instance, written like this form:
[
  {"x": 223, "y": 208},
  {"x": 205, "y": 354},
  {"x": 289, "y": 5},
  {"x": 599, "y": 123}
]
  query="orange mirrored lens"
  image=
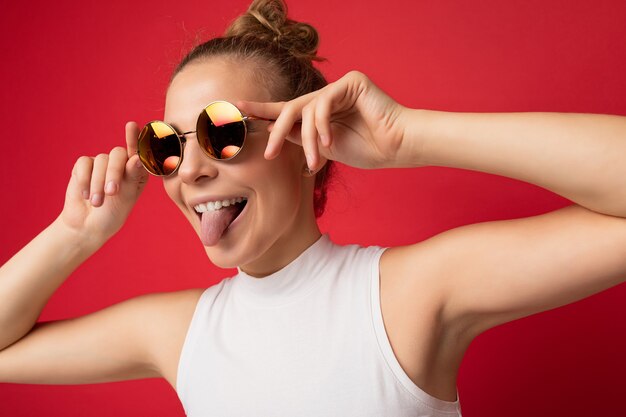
[
  {"x": 159, "y": 148},
  {"x": 221, "y": 130},
  {"x": 223, "y": 113}
]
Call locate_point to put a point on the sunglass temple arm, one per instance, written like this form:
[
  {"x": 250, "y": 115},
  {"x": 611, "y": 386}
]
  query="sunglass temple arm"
[
  {"x": 258, "y": 118},
  {"x": 263, "y": 118}
]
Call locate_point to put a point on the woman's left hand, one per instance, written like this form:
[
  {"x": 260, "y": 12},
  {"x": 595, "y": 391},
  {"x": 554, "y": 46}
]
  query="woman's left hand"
[{"x": 350, "y": 120}]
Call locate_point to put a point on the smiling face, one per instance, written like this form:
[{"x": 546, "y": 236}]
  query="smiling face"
[{"x": 278, "y": 221}]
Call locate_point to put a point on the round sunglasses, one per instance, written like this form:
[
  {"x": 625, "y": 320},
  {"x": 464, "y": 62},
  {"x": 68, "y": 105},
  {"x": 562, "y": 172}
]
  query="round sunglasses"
[{"x": 221, "y": 131}]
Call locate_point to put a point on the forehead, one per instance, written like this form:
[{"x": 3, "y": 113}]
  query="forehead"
[{"x": 198, "y": 84}]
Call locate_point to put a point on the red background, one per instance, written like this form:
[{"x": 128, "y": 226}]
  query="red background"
[{"x": 74, "y": 72}]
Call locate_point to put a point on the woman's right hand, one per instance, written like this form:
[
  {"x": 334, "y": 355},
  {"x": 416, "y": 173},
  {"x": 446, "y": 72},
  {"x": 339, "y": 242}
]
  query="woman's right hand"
[{"x": 92, "y": 209}]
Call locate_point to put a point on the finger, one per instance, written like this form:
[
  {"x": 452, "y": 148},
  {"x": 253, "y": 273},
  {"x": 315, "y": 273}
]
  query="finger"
[
  {"x": 282, "y": 128},
  {"x": 322, "y": 120},
  {"x": 293, "y": 136},
  {"x": 284, "y": 115},
  {"x": 135, "y": 170},
  {"x": 97, "y": 179},
  {"x": 271, "y": 110},
  {"x": 266, "y": 110},
  {"x": 342, "y": 94},
  {"x": 279, "y": 132},
  {"x": 115, "y": 170},
  {"x": 135, "y": 178},
  {"x": 82, "y": 173},
  {"x": 132, "y": 136},
  {"x": 309, "y": 136},
  {"x": 274, "y": 146}
]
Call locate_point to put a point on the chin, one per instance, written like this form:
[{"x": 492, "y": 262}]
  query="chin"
[{"x": 224, "y": 262}]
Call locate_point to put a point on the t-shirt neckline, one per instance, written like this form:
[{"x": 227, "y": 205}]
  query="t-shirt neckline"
[{"x": 288, "y": 283}]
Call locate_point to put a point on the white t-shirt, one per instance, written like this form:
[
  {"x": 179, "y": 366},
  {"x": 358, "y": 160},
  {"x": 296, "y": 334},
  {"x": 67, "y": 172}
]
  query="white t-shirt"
[{"x": 307, "y": 340}]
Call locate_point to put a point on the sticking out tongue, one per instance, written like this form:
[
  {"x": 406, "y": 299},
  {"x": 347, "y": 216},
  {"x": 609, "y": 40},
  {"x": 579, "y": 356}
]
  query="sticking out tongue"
[{"x": 215, "y": 222}]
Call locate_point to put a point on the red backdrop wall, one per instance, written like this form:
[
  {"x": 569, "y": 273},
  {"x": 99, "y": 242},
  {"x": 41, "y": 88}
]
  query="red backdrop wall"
[{"x": 74, "y": 72}]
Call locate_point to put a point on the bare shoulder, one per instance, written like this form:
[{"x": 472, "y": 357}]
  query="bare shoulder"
[
  {"x": 412, "y": 301},
  {"x": 169, "y": 315},
  {"x": 411, "y": 279},
  {"x": 437, "y": 295}
]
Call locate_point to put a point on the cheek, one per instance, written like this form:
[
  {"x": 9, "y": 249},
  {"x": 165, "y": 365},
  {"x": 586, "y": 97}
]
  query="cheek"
[
  {"x": 280, "y": 171},
  {"x": 280, "y": 185},
  {"x": 173, "y": 191}
]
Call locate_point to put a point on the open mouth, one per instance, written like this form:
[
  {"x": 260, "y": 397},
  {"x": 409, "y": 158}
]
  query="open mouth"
[
  {"x": 234, "y": 204},
  {"x": 217, "y": 216}
]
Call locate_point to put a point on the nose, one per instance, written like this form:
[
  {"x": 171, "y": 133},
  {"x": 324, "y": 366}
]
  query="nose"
[{"x": 196, "y": 165}]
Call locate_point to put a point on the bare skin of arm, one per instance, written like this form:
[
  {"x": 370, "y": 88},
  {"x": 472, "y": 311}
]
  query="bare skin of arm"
[
  {"x": 132, "y": 339},
  {"x": 439, "y": 294},
  {"x": 123, "y": 341},
  {"x": 475, "y": 277},
  {"x": 471, "y": 278},
  {"x": 489, "y": 273}
]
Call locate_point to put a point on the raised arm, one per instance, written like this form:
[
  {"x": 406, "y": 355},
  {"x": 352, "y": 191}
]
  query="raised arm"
[
  {"x": 87, "y": 221},
  {"x": 488, "y": 273},
  {"x": 30, "y": 277},
  {"x": 579, "y": 156},
  {"x": 494, "y": 272}
]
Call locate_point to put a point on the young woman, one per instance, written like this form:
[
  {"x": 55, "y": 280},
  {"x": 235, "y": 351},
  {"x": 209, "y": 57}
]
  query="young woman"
[{"x": 308, "y": 327}]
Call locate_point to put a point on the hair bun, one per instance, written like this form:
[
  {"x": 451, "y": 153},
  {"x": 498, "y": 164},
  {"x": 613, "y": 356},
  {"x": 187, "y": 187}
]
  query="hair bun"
[{"x": 267, "y": 20}]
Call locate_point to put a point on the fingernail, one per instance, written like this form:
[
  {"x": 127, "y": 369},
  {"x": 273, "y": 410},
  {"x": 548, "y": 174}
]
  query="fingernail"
[
  {"x": 110, "y": 187},
  {"x": 324, "y": 140},
  {"x": 138, "y": 164},
  {"x": 308, "y": 159},
  {"x": 86, "y": 194},
  {"x": 96, "y": 199}
]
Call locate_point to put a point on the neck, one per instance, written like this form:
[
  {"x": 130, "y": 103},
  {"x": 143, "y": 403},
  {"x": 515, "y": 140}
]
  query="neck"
[
  {"x": 282, "y": 253},
  {"x": 302, "y": 234}
]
